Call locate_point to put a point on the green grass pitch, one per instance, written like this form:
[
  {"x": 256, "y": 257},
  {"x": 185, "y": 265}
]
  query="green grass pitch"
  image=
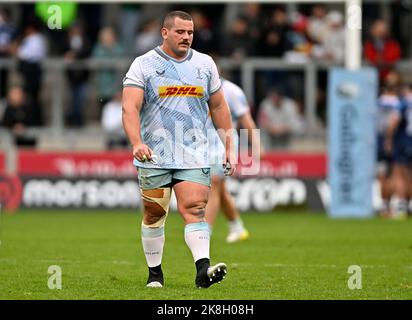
[{"x": 290, "y": 255}]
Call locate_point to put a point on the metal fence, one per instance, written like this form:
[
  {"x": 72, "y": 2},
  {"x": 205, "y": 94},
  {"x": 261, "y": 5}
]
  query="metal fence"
[
  {"x": 55, "y": 69},
  {"x": 56, "y": 90}
]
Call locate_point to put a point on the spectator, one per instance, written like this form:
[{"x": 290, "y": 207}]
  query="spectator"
[
  {"x": 203, "y": 39},
  {"x": 299, "y": 39},
  {"x": 279, "y": 119},
  {"x": 252, "y": 15},
  {"x": 8, "y": 33},
  {"x": 317, "y": 24},
  {"x": 112, "y": 123},
  {"x": 31, "y": 52},
  {"x": 274, "y": 39},
  {"x": 237, "y": 43},
  {"x": 130, "y": 15},
  {"x": 275, "y": 43},
  {"x": 333, "y": 47},
  {"x": 381, "y": 50},
  {"x": 16, "y": 117},
  {"x": 107, "y": 78},
  {"x": 149, "y": 37},
  {"x": 77, "y": 47}
]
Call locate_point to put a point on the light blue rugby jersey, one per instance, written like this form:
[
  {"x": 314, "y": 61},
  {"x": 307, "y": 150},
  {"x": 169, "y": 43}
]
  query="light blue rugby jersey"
[
  {"x": 407, "y": 114},
  {"x": 238, "y": 105},
  {"x": 175, "y": 108},
  {"x": 387, "y": 104}
]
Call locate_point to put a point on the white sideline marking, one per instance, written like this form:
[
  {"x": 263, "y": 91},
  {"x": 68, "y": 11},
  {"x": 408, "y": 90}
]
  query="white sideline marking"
[
  {"x": 234, "y": 264},
  {"x": 124, "y": 262},
  {"x": 282, "y": 265}
]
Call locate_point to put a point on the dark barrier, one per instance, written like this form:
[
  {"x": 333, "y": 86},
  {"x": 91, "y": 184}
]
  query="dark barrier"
[{"x": 252, "y": 194}]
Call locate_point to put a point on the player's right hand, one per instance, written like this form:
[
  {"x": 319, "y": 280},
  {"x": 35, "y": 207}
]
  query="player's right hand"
[
  {"x": 142, "y": 152},
  {"x": 229, "y": 167}
]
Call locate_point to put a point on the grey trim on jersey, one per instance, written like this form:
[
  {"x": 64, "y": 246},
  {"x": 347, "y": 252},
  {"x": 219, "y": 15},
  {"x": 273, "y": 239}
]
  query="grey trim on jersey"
[
  {"x": 132, "y": 85},
  {"x": 167, "y": 57},
  {"x": 220, "y": 87}
]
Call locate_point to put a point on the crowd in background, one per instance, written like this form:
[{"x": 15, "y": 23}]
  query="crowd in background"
[{"x": 309, "y": 33}]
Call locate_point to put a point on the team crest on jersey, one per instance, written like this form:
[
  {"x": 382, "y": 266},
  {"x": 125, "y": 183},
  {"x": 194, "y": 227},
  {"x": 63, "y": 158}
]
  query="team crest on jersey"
[
  {"x": 199, "y": 74},
  {"x": 181, "y": 91}
]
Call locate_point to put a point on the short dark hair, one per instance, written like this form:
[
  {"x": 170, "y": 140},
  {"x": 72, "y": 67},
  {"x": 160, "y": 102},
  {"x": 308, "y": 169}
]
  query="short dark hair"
[{"x": 170, "y": 18}]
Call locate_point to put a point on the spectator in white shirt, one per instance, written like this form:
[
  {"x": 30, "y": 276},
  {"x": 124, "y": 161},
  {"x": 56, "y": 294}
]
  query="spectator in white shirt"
[
  {"x": 279, "y": 119},
  {"x": 149, "y": 37},
  {"x": 332, "y": 49},
  {"x": 112, "y": 123},
  {"x": 318, "y": 25}
]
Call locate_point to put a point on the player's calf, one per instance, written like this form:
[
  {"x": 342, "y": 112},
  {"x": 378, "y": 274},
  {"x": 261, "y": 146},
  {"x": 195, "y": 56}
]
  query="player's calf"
[{"x": 156, "y": 206}]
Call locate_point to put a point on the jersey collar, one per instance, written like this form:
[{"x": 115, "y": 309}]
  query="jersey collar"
[{"x": 163, "y": 54}]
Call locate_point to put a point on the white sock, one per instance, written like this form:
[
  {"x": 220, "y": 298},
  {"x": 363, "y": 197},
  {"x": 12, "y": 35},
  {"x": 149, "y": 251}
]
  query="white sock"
[
  {"x": 153, "y": 240},
  {"x": 236, "y": 225},
  {"x": 385, "y": 205},
  {"x": 399, "y": 204},
  {"x": 197, "y": 238}
]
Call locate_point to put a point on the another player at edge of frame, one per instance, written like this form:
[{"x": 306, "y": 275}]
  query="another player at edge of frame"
[{"x": 220, "y": 197}]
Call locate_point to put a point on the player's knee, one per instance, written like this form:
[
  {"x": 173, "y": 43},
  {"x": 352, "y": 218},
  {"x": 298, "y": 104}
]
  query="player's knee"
[
  {"x": 155, "y": 206},
  {"x": 194, "y": 208},
  {"x": 152, "y": 209},
  {"x": 154, "y": 220}
]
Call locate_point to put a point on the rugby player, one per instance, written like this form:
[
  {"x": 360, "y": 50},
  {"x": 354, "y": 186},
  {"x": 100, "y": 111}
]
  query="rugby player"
[
  {"x": 400, "y": 133},
  {"x": 219, "y": 195},
  {"x": 390, "y": 168},
  {"x": 168, "y": 93}
]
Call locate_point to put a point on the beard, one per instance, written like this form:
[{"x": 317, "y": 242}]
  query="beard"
[{"x": 181, "y": 51}]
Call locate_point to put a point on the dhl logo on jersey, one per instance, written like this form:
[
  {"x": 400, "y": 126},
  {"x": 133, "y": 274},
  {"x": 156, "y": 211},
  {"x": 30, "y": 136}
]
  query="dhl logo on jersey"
[{"x": 181, "y": 91}]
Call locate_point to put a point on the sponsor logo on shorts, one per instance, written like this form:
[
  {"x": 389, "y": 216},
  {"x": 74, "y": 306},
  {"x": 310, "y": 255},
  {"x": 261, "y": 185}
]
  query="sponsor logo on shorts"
[
  {"x": 206, "y": 171},
  {"x": 181, "y": 91}
]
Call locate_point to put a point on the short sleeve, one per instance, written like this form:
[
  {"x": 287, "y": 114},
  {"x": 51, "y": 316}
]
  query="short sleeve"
[
  {"x": 134, "y": 77},
  {"x": 215, "y": 82},
  {"x": 240, "y": 105}
]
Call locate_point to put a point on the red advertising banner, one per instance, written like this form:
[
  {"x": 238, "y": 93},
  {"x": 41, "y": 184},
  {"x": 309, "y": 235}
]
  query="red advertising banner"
[
  {"x": 119, "y": 164},
  {"x": 302, "y": 165},
  {"x": 76, "y": 164},
  {"x": 2, "y": 163}
]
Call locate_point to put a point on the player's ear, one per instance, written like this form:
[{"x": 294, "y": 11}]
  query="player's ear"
[{"x": 164, "y": 33}]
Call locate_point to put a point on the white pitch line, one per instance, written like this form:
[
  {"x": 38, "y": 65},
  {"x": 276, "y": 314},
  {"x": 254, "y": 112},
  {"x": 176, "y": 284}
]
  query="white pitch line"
[
  {"x": 282, "y": 265},
  {"x": 62, "y": 261}
]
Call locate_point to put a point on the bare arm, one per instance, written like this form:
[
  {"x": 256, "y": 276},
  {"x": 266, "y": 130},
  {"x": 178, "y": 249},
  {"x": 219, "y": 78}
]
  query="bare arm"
[
  {"x": 132, "y": 102},
  {"x": 246, "y": 121},
  {"x": 394, "y": 121},
  {"x": 222, "y": 120}
]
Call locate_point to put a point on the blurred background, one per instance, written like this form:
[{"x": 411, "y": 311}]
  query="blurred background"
[{"x": 61, "y": 135}]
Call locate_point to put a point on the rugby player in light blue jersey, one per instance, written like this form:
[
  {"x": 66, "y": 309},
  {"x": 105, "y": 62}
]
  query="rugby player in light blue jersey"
[
  {"x": 219, "y": 196},
  {"x": 399, "y": 134},
  {"x": 390, "y": 168},
  {"x": 168, "y": 93}
]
